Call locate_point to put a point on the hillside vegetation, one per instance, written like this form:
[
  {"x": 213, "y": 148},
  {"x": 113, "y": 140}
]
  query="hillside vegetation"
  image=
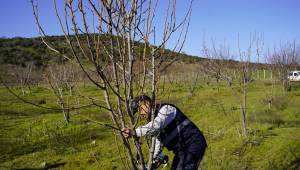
[{"x": 19, "y": 51}]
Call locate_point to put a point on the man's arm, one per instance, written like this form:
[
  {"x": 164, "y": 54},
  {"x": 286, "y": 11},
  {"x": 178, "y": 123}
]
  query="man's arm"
[
  {"x": 157, "y": 149},
  {"x": 165, "y": 115}
]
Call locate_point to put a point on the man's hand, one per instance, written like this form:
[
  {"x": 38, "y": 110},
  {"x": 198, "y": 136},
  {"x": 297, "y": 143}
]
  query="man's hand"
[
  {"x": 159, "y": 160},
  {"x": 127, "y": 132}
]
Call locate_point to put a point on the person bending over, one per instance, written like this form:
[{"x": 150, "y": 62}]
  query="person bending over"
[{"x": 172, "y": 130}]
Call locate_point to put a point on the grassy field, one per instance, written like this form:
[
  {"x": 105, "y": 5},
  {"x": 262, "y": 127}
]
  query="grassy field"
[{"x": 31, "y": 136}]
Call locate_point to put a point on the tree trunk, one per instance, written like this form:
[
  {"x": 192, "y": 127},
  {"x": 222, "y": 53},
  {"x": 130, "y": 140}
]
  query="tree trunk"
[
  {"x": 244, "y": 108},
  {"x": 151, "y": 152}
]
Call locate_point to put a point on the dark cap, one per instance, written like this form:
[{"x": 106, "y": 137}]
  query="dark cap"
[{"x": 136, "y": 101}]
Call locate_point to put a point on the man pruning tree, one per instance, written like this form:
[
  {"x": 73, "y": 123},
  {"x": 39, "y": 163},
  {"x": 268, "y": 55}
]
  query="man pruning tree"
[{"x": 172, "y": 130}]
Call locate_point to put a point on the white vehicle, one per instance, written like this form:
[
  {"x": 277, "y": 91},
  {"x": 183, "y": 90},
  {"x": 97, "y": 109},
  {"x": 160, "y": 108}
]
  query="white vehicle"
[{"x": 294, "y": 76}]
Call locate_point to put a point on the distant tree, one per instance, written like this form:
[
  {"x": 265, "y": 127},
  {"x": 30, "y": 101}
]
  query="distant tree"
[
  {"x": 238, "y": 75},
  {"x": 61, "y": 78},
  {"x": 25, "y": 76},
  {"x": 217, "y": 65},
  {"x": 283, "y": 60}
]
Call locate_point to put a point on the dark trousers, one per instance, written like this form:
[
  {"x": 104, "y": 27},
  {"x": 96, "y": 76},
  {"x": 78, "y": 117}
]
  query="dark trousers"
[
  {"x": 187, "y": 160},
  {"x": 190, "y": 151}
]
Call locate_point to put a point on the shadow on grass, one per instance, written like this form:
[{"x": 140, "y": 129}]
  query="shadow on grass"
[
  {"x": 266, "y": 117},
  {"x": 45, "y": 166},
  {"x": 54, "y": 139},
  {"x": 13, "y": 112}
]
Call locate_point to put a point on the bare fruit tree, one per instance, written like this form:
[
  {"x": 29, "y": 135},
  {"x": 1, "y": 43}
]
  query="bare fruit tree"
[
  {"x": 61, "y": 78},
  {"x": 237, "y": 74},
  {"x": 283, "y": 60},
  {"x": 24, "y": 76},
  {"x": 121, "y": 50},
  {"x": 218, "y": 65}
]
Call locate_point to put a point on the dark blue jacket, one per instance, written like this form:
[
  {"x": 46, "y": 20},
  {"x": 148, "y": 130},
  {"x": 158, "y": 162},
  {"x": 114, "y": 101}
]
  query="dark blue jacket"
[{"x": 180, "y": 133}]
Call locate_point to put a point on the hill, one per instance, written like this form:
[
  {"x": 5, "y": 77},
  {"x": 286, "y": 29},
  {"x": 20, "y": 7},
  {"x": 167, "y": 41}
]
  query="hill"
[{"x": 18, "y": 51}]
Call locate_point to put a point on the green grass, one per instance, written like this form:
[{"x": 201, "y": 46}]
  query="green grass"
[{"x": 30, "y": 136}]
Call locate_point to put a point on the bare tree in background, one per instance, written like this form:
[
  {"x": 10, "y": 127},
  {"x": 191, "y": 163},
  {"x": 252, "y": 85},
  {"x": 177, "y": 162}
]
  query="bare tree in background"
[
  {"x": 259, "y": 48},
  {"x": 244, "y": 79},
  {"x": 238, "y": 75},
  {"x": 112, "y": 40},
  {"x": 24, "y": 76},
  {"x": 61, "y": 79},
  {"x": 191, "y": 78},
  {"x": 217, "y": 65},
  {"x": 283, "y": 60}
]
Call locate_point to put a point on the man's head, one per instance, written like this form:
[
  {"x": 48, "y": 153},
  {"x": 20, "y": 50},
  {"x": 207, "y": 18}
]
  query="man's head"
[{"x": 142, "y": 104}]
